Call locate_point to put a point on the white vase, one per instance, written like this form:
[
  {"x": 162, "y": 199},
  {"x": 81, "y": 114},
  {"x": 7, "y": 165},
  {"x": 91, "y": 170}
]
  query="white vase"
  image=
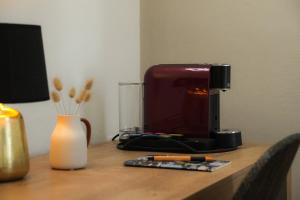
[{"x": 69, "y": 142}]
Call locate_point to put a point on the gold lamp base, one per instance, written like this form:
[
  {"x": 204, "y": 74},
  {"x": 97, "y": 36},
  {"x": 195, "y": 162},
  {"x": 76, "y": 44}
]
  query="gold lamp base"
[{"x": 14, "y": 158}]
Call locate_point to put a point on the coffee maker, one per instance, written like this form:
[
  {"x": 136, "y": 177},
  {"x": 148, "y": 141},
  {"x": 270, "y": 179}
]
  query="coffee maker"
[{"x": 181, "y": 106}]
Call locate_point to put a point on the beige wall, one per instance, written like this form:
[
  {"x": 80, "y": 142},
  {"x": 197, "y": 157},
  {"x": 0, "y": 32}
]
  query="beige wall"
[
  {"x": 82, "y": 39},
  {"x": 260, "y": 39}
]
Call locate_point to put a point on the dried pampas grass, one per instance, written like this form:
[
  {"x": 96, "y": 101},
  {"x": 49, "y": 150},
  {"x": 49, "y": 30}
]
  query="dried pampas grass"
[
  {"x": 80, "y": 99},
  {"x": 83, "y": 97},
  {"x": 87, "y": 97},
  {"x": 72, "y": 93},
  {"x": 56, "y": 99},
  {"x": 57, "y": 84},
  {"x": 55, "y": 96},
  {"x": 59, "y": 87},
  {"x": 89, "y": 84}
]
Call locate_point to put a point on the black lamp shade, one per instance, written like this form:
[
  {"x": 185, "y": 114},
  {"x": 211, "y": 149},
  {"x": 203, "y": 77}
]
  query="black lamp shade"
[{"x": 23, "y": 76}]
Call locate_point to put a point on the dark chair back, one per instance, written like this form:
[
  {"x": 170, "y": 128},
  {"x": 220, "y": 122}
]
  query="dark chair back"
[{"x": 267, "y": 178}]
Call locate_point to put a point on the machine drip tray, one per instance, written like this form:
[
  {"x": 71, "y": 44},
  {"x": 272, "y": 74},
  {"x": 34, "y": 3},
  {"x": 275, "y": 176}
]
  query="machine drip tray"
[{"x": 157, "y": 143}]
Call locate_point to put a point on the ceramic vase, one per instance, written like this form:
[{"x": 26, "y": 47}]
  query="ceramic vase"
[{"x": 69, "y": 142}]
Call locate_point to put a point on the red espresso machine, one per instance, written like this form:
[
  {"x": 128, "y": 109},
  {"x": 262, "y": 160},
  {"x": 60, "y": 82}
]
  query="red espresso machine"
[{"x": 182, "y": 110}]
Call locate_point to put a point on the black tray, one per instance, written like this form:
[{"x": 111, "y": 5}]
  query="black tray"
[{"x": 183, "y": 145}]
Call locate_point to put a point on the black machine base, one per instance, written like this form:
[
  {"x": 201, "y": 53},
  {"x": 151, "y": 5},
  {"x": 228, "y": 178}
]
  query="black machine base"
[{"x": 152, "y": 142}]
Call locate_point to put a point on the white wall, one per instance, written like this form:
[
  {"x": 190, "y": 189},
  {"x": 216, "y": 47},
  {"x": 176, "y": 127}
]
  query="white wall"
[
  {"x": 82, "y": 39},
  {"x": 261, "y": 39}
]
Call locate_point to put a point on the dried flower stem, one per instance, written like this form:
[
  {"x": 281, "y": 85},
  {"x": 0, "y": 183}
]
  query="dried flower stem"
[
  {"x": 56, "y": 99},
  {"x": 63, "y": 103},
  {"x": 77, "y": 108},
  {"x": 85, "y": 98},
  {"x": 72, "y": 94},
  {"x": 80, "y": 99},
  {"x": 59, "y": 87}
]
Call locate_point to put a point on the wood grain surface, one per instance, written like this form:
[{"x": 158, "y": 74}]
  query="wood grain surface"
[{"x": 106, "y": 178}]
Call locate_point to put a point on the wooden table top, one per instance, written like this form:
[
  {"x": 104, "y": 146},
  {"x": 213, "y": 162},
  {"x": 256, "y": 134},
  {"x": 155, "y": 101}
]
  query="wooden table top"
[{"x": 106, "y": 178}]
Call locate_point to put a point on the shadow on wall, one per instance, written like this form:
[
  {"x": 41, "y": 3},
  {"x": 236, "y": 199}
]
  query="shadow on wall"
[{"x": 94, "y": 109}]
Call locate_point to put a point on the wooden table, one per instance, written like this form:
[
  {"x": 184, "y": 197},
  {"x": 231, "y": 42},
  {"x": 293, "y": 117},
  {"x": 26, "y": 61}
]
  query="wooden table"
[{"x": 106, "y": 178}]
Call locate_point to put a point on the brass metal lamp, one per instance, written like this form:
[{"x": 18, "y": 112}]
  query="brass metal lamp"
[{"x": 23, "y": 79}]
